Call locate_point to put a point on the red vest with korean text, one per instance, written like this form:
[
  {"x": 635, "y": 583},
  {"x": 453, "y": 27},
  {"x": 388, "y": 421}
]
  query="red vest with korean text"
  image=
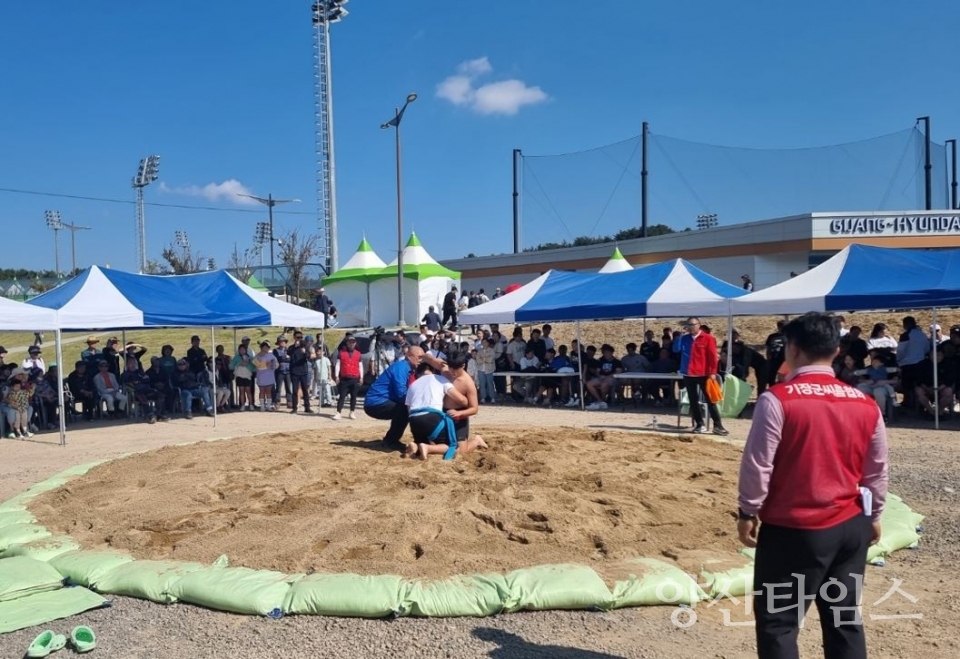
[
  {"x": 818, "y": 466},
  {"x": 350, "y": 364}
]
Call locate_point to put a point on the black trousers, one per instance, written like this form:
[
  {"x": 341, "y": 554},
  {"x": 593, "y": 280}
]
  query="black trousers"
[
  {"x": 347, "y": 386},
  {"x": 451, "y": 315},
  {"x": 396, "y": 413},
  {"x": 838, "y": 553},
  {"x": 694, "y": 385},
  {"x": 301, "y": 385}
]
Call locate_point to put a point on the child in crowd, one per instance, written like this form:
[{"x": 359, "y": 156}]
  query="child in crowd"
[
  {"x": 18, "y": 413},
  {"x": 243, "y": 373},
  {"x": 266, "y": 364},
  {"x": 325, "y": 369}
]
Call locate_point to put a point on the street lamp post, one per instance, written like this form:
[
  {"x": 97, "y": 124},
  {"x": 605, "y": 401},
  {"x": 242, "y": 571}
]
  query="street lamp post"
[
  {"x": 54, "y": 222},
  {"x": 269, "y": 202},
  {"x": 147, "y": 173},
  {"x": 395, "y": 124},
  {"x": 73, "y": 228}
]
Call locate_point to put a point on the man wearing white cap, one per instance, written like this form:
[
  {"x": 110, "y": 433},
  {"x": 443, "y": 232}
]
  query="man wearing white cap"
[{"x": 936, "y": 335}]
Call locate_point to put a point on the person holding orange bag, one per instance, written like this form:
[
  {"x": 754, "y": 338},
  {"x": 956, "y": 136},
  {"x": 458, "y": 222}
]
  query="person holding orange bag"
[{"x": 702, "y": 365}]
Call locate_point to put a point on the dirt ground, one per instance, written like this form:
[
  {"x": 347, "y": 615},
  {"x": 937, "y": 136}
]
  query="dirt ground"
[
  {"x": 923, "y": 471},
  {"x": 341, "y": 504}
]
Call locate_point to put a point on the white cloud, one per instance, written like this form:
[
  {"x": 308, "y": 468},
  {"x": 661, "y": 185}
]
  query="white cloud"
[
  {"x": 502, "y": 97},
  {"x": 226, "y": 191}
]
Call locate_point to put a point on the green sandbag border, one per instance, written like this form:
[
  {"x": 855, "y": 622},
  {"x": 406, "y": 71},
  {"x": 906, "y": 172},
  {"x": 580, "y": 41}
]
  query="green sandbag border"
[{"x": 570, "y": 587}]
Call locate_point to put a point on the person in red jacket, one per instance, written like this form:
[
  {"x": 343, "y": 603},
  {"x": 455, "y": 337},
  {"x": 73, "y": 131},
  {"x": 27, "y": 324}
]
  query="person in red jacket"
[
  {"x": 813, "y": 482},
  {"x": 347, "y": 375},
  {"x": 699, "y": 364}
]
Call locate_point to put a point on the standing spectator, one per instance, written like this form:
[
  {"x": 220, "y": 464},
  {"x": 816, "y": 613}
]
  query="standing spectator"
[
  {"x": 164, "y": 385},
  {"x": 538, "y": 344},
  {"x": 266, "y": 365},
  {"x": 325, "y": 377},
  {"x": 747, "y": 283},
  {"x": 497, "y": 293},
  {"x": 703, "y": 365},
  {"x": 547, "y": 339},
  {"x": 91, "y": 350},
  {"x": 224, "y": 377},
  {"x": 856, "y": 346},
  {"x": 516, "y": 349},
  {"x": 136, "y": 351},
  {"x": 650, "y": 349},
  {"x": 347, "y": 376},
  {"x": 432, "y": 320},
  {"x": 324, "y": 305},
  {"x": 843, "y": 326},
  {"x": 449, "y": 309},
  {"x": 283, "y": 372},
  {"x": 486, "y": 366},
  {"x": 300, "y": 372},
  {"x": 197, "y": 358},
  {"x": 775, "y": 345},
  {"x": 244, "y": 371},
  {"x": 814, "y": 446},
  {"x": 911, "y": 351}
]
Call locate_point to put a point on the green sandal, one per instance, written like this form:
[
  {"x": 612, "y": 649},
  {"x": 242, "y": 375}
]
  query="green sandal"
[
  {"x": 45, "y": 643},
  {"x": 83, "y": 639}
]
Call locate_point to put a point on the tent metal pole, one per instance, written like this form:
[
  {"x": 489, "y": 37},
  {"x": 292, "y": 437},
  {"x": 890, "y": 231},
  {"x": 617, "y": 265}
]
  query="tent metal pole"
[
  {"x": 729, "y": 368},
  {"x": 213, "y": 373},
  {"x": 58, "y": 340},
  {"x": 580, "y": 364},
  {"x": 936, "y": 385}
]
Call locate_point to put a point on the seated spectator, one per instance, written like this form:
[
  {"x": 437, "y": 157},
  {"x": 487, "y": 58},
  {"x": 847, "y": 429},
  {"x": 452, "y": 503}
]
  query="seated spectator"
[
  {"x": 880, "y": 338},
  {"x": 33, "y": 360},
  {"x": 137, "y": 383},
  {"x": 662, "y": 391},
  {"x": 951, "y": 347},
  {"x": 846, "y": 371},
  {"x": 164, "y": 386},
  {"x": 877, "y": 383},
  {"x": 650, "y": 348},
  {"x": 529, "y": 385},
  {"x": 192, "y": 386},
  {"x": 946, "y": 384},
  {"x": 81, "y": 389},
  {"x": 109, "y": 390},
  {"x": 16, "y": 407},
  {"x": 48, "y": 399},
  {"x": 603, "y": 382}
]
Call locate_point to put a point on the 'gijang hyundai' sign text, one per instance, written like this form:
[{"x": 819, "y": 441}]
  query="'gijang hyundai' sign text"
[{"x": 906, "y": 225}]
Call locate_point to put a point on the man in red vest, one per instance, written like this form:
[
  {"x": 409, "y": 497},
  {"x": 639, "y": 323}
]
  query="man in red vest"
[{"x": 813, "y": 481}]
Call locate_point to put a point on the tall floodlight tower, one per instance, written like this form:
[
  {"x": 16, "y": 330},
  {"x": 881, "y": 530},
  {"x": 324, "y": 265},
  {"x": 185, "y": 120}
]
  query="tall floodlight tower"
[
  {"x": 147, "y": 173},
  {"x": 326, "y": 12}
]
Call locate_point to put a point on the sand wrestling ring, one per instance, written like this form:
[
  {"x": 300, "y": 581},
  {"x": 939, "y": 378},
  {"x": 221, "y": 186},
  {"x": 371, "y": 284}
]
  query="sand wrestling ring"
[{"x": 311, "y": 523}]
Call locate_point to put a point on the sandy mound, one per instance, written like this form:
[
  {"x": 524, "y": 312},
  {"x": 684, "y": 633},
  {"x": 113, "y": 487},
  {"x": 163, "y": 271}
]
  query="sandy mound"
[{"x": 310, "y": 501}]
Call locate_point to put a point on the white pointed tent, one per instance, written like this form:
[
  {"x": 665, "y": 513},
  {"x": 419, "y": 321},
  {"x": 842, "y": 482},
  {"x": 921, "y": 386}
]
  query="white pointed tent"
[
  {"x": 616, "y": 263},
  {"x": 350, "y": 287},
  {"x": 425, "y": 282}
]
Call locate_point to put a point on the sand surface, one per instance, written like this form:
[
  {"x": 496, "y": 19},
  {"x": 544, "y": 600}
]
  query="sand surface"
[{"x": 331, "y": 501}]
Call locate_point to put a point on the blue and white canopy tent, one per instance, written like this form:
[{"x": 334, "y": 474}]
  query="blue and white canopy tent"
[
  {"x": 671, "y": 288},
  {"x": 111, "y": 299},
  {"x": 864, "y": 278}
]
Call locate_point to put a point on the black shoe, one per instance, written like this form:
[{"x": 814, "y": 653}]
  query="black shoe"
[
  {"x": 720, "y": 430},
  {"x": 394, "y": 446},
  {"x": 188, "y": 415},
  {"x": 307, "y": 410},
  {"x": 293, "y": 411}
]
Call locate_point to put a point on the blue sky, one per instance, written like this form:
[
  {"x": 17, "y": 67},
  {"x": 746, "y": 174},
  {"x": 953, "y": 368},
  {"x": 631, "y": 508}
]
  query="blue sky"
[{"x": 223, "y": 91}]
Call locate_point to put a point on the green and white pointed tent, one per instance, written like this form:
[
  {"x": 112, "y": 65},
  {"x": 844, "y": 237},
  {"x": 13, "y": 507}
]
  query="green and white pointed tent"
[
  {"x": 616, "y": 263},
  {"x": 425, "y": 283},
  {"x": 349, "y": 288},
  {"x": 255, "y": 284}
]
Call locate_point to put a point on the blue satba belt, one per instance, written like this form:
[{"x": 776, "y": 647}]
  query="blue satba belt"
[{"x": 446, "y": 422}]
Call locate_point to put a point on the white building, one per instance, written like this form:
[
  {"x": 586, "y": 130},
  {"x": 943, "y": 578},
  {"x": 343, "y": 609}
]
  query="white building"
[{"x": 767, "y": 251}]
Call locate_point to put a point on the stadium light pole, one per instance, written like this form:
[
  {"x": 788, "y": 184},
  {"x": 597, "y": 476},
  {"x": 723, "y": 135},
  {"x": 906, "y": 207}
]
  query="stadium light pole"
[
  {"x": 55, "y": 223},
  {"x": 269, "y": 202},
  {"x": 953, "y": 173},
  {"x": 707, "y": 221},
  {"x": 147, "y": 173},
  {"x": 395, "y": 124},
  {"x": 73, "y": 228},
  {"x": 326, "y": 12}
]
